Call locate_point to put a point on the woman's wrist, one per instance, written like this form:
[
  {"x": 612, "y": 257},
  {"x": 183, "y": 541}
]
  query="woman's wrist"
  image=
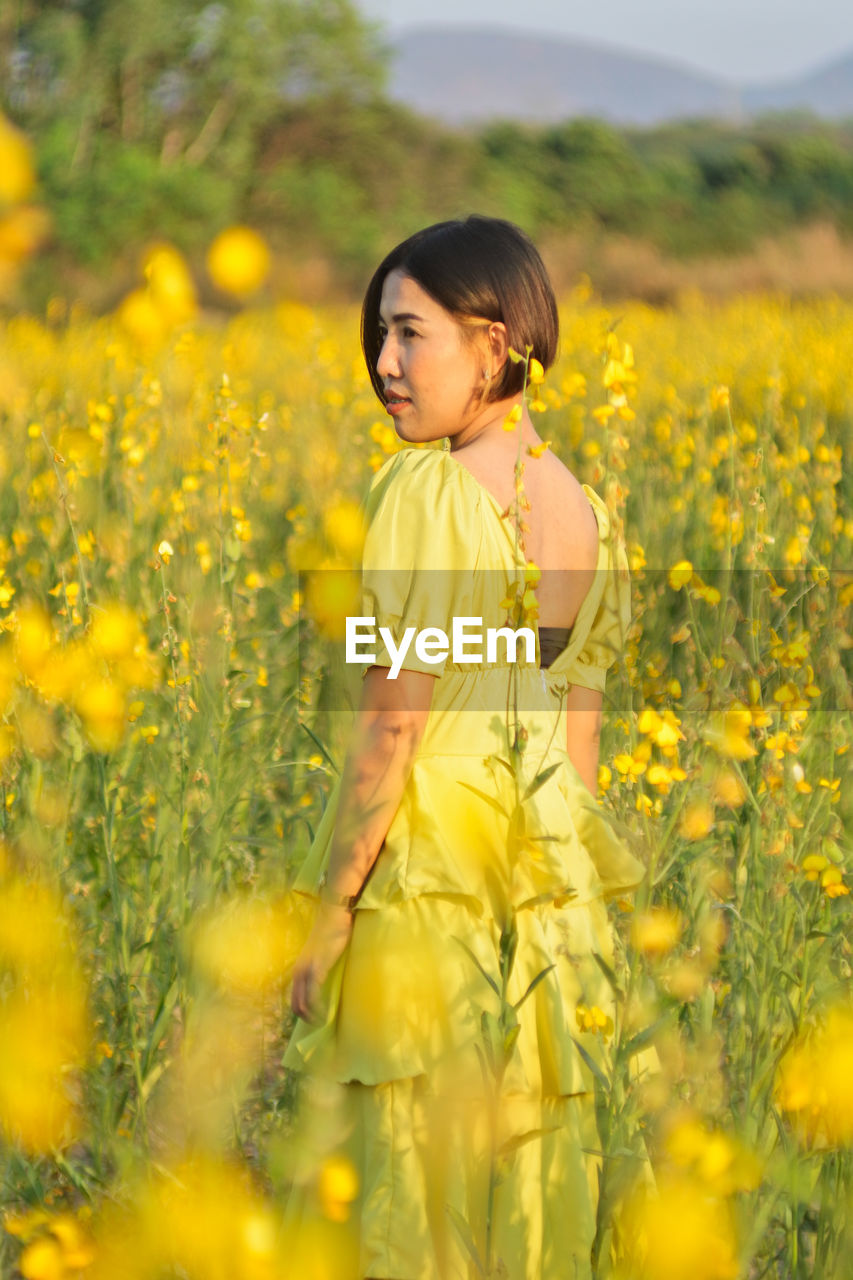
[{"x": 331, "y": 898}]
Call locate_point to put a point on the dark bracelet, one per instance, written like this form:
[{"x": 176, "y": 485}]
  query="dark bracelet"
[{"x": 327, "y": 895}]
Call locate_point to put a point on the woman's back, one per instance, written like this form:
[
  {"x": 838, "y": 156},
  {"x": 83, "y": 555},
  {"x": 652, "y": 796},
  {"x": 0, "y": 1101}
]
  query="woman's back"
[{"x": 562, "y": 535}]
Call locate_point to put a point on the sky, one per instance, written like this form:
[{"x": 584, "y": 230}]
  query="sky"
[{"x": 741, "y": 40}]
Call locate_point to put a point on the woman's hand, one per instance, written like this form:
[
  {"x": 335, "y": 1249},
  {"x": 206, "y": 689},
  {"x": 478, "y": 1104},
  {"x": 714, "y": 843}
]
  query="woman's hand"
[{"x": 326, "y": 943}]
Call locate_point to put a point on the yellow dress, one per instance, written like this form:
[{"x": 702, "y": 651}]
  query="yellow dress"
[{"x": 404, "y": 1026}]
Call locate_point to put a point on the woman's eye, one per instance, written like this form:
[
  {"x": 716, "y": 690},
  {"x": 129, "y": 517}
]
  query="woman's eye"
[{"x": 409, "y": 333}]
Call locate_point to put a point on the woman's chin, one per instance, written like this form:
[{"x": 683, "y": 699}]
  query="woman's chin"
[{"x": 410, "y": 436}]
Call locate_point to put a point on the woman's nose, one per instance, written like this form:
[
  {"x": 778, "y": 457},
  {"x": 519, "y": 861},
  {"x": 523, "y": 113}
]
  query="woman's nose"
[{"x": 388, "y": 364}]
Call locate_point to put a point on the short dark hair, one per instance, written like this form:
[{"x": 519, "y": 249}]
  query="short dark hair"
[{"x": 476, "y": 268}]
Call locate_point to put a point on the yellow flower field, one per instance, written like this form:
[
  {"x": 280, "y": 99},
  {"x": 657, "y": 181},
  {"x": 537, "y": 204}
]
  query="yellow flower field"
[{"x": 168, "y": 736}]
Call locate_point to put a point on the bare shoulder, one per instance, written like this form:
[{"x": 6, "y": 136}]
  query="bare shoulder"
[{"x": 562, "y": 519}]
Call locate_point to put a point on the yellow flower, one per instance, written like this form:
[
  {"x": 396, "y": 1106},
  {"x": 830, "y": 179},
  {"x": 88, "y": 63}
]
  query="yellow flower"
[
  {"x": 170, "y": 283},
  {"x": 17, "y": 172},
  {"x": 697, "y": 820},
  {"x": 680, "y": 1231},
  {"x": 42, "y": 1260},
  {"x": 591, "y": 1018},
  {"x": 832, "y": 883},
  {"x": 656, "y": 931},
  {"x": 720, "y": 397},
  {"x": 636, "y": 764},
  {"x": 115, "y": 632},
  {"x": 33, "y": 639},
  {"x": 165, "y": 551},
  {"x": 710, "y": 594},
  {"x": 536, "y": 450},
  {"x": 249, "y": 944},
  {"x": 728, "y": 732},
  {"x": 101, "y": 706},
  {"x": 535, "y": 372},
  {"x": 728, "y": 789},
  {"x": 719, "y": 1161},
  {"x": 660, "y": 777},
  {"x": 238, "y": 261},
  {"x": 813, "y": 865},
  {"x": 343, "y": 525},
  {"x": 142, "y": 319},
  {"x": 663, "y": 729},
  {"x": 337, "y": 1188},
  {"x": 814, "y": 1081},
  {"x": 680, "y": 574},
  {"x": 331, "y": 596},
  {"x": 512, "y": 418}
]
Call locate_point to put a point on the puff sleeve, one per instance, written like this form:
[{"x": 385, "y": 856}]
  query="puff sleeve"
[{"x": 420, "y": 553}]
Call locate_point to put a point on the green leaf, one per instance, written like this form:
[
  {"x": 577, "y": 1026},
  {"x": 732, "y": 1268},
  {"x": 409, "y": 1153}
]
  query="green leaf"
[
  {"x": 490, "y": 800},
  {"x": 521, "y": 1140},
  {"x": 320, "y": 747},
  {"x": 592, "y": 1064},
  {"x": 508, "y": 945},
  {"x": 167, "y": 1002},
  {"x": 533, "y": 985},
  {"x": 470, "y": 953},
  {"x": 509, "y": 1041},
  {"x": 541, "y": 779},
  {"x": 608, "y": 973},
  {"x": 466, "y": 1236},
  {"x": 503, "y": 762},
  {"x": 643, "y": 1037}
]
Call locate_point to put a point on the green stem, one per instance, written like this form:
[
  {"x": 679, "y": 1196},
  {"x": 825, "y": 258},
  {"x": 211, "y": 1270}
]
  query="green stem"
[
  {"x": 171, "y": 638},
  {"x": 63, "y": 497},
  {"x": 122, "y": 946}
]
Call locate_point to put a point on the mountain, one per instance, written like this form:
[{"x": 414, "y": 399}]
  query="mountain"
[
  {"x": 828, "y": 91},
  {"x": 469, "y": 74}
]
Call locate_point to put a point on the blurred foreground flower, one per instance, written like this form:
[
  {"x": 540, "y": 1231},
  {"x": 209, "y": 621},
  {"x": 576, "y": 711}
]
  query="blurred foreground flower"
[
  {"x": 250, "y": 944},
  {"x": 814, "y": 1082},
  {"x": 238, "y": 261},
  {"x": 43, "y": 1016},
  {"x": 92, "y": 675},
  {"x": 203, "y": 1219},
  {"x": 655, "y": 932},
  {"x": 728, "y": 732},
  {"x": 171, "y": 283},
  {"x": 720, "y": 1162},
  {"x": 149, "y": 313},
  {"x": 56, "y": 1246},
  {"x": 337, "y": 1188},
  {"x": 679, "y": 1232},
  {"x": 17, "y": 172},
  {"x": 343, "y": 525},
  {"x": 331, "y": 596},
  {"x": 22, "y": 226}
]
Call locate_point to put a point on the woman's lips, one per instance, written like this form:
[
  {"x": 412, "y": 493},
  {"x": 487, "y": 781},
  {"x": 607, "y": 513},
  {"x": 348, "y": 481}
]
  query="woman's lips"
[{"x": 394, "y": 403}]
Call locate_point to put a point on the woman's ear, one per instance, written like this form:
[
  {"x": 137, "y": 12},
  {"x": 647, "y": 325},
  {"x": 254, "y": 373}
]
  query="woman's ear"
[{"x": 498, "y": 347}]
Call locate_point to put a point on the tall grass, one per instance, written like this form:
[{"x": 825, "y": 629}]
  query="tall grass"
[{"x": 166, "y": 756}]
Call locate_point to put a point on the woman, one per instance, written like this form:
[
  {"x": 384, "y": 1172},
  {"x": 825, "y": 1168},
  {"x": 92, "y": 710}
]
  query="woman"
[{"x": 462, "y": 863}]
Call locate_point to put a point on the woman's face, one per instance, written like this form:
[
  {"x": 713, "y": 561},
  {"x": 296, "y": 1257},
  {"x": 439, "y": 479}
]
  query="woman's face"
[{"x": 432, "y": 371}]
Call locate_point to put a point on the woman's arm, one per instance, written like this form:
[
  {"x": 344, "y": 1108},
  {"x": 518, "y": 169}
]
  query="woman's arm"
[
  {"x": 583, "y": 732},
  {"x": 388, "y": 729}
]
